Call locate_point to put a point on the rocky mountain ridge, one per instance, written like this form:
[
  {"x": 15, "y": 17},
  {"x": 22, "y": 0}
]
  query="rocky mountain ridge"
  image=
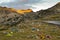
[{"x": 9, "y": 16}]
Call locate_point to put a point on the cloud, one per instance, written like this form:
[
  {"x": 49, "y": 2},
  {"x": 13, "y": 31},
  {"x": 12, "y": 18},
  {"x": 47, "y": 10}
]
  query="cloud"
[
  {"x": 20, "y": 4},
  {"x": 35, "y": 5},
  {"x": 4, "y": 1},
  {"x": 43, "y": 5}
]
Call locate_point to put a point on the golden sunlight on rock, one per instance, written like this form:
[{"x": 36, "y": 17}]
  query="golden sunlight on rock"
[{"x": 24, "y": 11}]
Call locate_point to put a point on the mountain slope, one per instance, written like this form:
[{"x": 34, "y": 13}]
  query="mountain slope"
[
  {"x": 50, "y": 13},
  {"x": 9, "y": 16}
]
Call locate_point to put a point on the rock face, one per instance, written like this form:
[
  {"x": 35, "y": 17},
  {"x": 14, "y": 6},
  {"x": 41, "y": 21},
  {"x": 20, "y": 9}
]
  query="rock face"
[
  {"x": 31, "y": 16},
  {"x": 8, "y": 17}
]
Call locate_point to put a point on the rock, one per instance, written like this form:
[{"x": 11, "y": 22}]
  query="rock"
[
  {"x": 14, "y": 29},
  {"x": 33, "y": 28},
  {"x": 21, "y": 30},
  {"x": 38, "y": 30},
  {"x": 48, "y": 36}
]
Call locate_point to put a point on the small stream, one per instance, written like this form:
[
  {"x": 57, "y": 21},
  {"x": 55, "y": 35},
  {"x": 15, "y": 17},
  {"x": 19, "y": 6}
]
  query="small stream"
[{"x": 53, "y": 22}]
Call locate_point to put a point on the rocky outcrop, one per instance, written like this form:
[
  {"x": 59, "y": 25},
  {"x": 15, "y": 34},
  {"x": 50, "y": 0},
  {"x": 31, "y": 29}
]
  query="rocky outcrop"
[{"x": 8, "y": 17}]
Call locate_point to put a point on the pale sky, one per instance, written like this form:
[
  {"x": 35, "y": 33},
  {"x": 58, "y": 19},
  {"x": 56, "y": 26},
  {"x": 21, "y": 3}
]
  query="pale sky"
[{"x": 35, "y": 5}]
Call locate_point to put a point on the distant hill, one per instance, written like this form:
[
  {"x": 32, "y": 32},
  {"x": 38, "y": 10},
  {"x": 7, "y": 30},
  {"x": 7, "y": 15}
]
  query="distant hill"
[{"x": 50, "y": 13}]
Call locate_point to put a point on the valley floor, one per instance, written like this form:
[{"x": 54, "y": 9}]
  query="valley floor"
[{"x": 32, "y": 30}]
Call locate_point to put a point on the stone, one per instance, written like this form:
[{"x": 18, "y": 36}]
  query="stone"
[{"x": 38, "y": 29}]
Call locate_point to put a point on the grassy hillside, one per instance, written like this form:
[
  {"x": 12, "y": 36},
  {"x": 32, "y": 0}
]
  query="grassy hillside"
[
  {"x": 52, "y": 13},
  {"x": 31, "y": 30},
  {"x": 54, "y": 17}
]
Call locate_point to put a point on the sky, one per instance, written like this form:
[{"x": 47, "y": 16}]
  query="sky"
[{"x": 35, "y": 5}]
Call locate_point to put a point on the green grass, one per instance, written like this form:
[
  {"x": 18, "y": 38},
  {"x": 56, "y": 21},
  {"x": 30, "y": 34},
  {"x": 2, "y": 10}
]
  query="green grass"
[
  {"x": 52, "y": 17},
  {"x": 29, "y": 34}
]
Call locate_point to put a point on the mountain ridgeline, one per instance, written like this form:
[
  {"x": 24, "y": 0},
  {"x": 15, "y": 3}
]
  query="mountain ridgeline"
[
  {"x": 9, "y": 16},
  {"x": 53, "y": 10}
]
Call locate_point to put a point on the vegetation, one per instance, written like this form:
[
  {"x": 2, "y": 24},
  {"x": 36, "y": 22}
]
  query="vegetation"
[
  {"x": 31, "y": 30},
  {"x": 55, "y": 17},
  {"x": 29, "y": 26}
]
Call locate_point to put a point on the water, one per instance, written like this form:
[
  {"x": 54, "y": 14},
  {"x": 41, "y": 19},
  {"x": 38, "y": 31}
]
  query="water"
[{"x": 53, "y": 22}]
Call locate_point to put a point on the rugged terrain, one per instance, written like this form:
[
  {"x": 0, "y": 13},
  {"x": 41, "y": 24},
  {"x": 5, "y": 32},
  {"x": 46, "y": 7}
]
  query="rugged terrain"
[
  {"x": 52, "y": 13},
  {"x": 29, "y": 25},
  {"x": 10, "y": 16},
  {"x": 31, "y": 30}
]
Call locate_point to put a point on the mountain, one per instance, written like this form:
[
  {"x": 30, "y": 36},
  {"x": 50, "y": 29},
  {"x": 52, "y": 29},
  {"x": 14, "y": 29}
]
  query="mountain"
[
  {"x": 55, "y": 7},
  {"x": 12, "y": 17},
  {"x": 50, "y": 13},
  {"x": 5, "y": 9},
  {"x": 8, "y": 16}
]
